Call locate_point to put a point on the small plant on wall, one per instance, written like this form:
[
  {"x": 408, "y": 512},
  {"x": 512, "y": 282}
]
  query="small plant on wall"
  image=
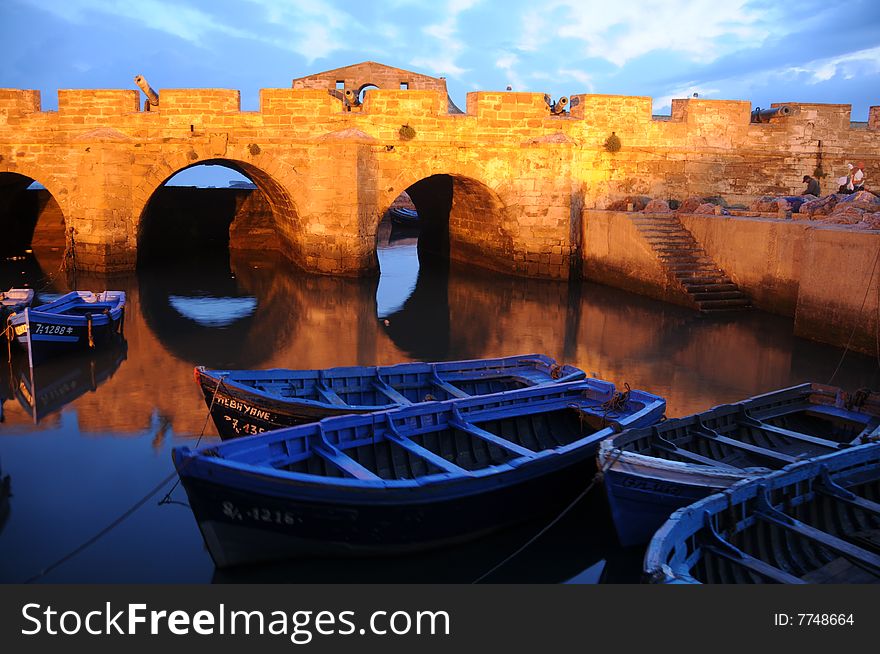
[
  {"x": 612, "y": 143},
  {"x": 406, "y": 132}
]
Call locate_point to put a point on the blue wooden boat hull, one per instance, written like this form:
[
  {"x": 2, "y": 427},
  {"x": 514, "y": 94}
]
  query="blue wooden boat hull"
[
  {"x": 247, "y": 402},
  {"x": 69, "y": 324},
  {"x": 644, "y": 489},
  {"x": 812, "y": 522},
  {"x": 404, "y": 479},
  {"x": 14, "y": 300},
  {"x": 404, "y": 217}
]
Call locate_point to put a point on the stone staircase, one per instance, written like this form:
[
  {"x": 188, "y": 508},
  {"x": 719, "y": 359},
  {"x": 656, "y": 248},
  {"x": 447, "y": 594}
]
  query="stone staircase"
[{"x": 708, "y": 288}]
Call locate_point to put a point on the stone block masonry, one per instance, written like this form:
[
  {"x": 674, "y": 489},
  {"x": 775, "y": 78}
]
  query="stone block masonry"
[{"x": 519, "y": 176}]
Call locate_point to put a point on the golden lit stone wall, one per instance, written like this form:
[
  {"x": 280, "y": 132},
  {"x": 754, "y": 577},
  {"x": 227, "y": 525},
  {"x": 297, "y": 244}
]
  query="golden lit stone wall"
[{"x": 520, "y": 175}]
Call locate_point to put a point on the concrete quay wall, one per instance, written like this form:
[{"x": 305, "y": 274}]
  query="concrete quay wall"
[{"x": 825, "y": 277}]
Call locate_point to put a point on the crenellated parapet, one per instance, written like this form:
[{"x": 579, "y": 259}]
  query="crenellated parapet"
[{"x": 330, "y": 167}]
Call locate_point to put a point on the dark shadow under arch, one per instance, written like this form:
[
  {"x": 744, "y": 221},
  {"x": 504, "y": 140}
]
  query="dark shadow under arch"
[
  {"x": 189, "y": 222},
  {"x": 29, "y": 217}
]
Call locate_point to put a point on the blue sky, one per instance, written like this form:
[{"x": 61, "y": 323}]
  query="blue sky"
[{"x": 758, "y": 50}]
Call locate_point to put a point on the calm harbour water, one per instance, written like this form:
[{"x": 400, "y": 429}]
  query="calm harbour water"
[{"x": 102, "y": 434}]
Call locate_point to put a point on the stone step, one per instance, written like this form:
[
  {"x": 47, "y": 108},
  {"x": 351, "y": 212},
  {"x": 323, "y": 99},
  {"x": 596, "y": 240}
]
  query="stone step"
[
  {"x": 710, "y": 288},
  {"x": 723, "y": 305},
  {"x": 692, "y": 267},
  {"x": 686, "y": 277},
  {"x": 719, "y": 295}
]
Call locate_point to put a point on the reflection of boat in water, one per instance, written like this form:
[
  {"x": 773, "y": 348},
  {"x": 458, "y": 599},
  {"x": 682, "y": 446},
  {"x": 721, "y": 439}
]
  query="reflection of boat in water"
[
  {"x": 46, "y": 389},
  {"x": 579, "y": 541},
  {"x": 253, "y": 401},
  {"x": 74, "y": 322},
  {"x": 652, "y": 472},
  {"x": 812, "y": 522},
  {"x": 404, "y": 480}
]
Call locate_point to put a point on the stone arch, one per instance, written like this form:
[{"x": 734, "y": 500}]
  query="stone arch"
[
  {"x": 266, "y": 174},
  {"x": 46, "y": 213},
  {"x": 364, "y": 88},
  {"x": 464, "y": 219}
]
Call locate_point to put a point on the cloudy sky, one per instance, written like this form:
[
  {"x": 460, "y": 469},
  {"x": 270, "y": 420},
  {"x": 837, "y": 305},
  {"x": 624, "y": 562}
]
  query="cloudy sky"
[{"x": 758, "y": 50}]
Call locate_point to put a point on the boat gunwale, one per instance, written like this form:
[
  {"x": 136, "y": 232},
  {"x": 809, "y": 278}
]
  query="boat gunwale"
[{"x": 686, "y": 522}]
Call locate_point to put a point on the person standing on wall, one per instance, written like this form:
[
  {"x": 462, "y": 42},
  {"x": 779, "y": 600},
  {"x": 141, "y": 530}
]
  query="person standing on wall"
[
  {"x": 813, "y": 187},
  {"x": 857, "y": 176}
]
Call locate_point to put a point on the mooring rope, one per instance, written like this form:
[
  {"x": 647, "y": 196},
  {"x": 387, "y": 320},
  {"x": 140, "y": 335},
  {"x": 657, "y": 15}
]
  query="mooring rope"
[
  {"x": 600, "y": 474},
  {"x": 119, "y": 520},
  {"x": 167, "y": 499}
]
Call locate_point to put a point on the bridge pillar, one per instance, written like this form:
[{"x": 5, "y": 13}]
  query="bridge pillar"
[
  {"x": 100, "y": 227},
  {"x": 337, "y": 218}
]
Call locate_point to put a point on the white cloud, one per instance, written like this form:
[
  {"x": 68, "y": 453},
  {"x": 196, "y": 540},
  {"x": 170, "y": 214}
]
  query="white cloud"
[
  {"x": 579, "y": 76},
  {"x": 507, "y": 61},
  {"x": 700, "y": 29},
  {"x": 448, "y": 43},
  {"x": 848, "y": 65}
]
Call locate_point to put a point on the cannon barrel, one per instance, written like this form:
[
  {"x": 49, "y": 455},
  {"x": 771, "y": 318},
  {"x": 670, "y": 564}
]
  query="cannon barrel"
[
  {"x": 352, "y": 98},
  {"x": 559, "y": 106},
  {"x": 764, "y": 115},
  {"x": 152, "y": 96}
]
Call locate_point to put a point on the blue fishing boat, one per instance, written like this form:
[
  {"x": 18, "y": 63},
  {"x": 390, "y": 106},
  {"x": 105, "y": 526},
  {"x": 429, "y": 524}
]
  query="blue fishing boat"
[
  {"x": 406, "y": 479},
  {"x": 811, "y": 522},
  {"x": 15, "y": 300},
  {"x": 404, "y": 217},
  {"x": 649, "y": 473},
  {"x": 246, "y": 402},
  {"x": 78, "y": 320}
]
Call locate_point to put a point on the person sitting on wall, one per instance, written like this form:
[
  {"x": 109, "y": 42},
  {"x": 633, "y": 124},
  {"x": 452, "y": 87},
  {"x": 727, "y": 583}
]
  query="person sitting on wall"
[
  {"x": 813, "y": 187},
  {"x": 858, "y": 177}
]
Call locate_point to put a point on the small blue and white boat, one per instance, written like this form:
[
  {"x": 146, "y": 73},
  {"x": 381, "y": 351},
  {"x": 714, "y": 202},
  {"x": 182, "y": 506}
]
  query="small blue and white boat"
[
  {"x": 79, "y": 320},
  {"x": 406, "y": 479},
  {"x": 651, "y": 472},
  {"x": 404, "y": 217},
  {"x": 246, "y": 402},
  {"x": 812, "y": 522},
  {"x": 15, "y": 300}
]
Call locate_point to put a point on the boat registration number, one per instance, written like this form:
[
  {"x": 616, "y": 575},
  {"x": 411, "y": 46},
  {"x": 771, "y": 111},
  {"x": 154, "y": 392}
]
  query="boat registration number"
[
  {"x": 243, "y": 427},
  {"x": 53, "y": 330},
  {"x": 259, "y": 514}
]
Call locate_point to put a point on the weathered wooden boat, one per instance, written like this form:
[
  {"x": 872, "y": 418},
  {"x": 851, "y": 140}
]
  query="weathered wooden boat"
[
  {"x": 48, "y": 388},
  {"x": 654, "y": 471},
  {"x": 405, "y": 479},
  {"x": 15, "y": 300},
  {"x": 811, "y": 522},
  {"x": 404, "y": 217},
  {"x": 78, "y": 320},
  {"x": 244, "y": 402}
]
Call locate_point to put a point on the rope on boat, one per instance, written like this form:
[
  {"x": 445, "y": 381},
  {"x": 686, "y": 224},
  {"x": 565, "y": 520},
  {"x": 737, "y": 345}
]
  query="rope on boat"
[
  {"x": 858, "y": 321},
  {"x": 89, "y": 326},
  {"x": 118, "y": 521},
  {"x": 597, "y": 478},
  {"x": 167, "y": 499}
]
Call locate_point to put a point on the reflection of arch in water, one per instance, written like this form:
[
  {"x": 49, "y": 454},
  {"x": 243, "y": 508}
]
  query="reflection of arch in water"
[
  {"x": 28, "y": 217},
  {"x": 171, "y": 220},
  {"x": 216, "y": 314},
  {"x": 41, "y": 271}
]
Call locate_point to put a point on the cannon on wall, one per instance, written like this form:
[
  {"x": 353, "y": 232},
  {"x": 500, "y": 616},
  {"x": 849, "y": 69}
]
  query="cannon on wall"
[
  {"x": 764, "y": 115},
  {"x": 152, "y": 96},
  {"x": 352, "y": 98},
  {"x": 556, "y": 108}
]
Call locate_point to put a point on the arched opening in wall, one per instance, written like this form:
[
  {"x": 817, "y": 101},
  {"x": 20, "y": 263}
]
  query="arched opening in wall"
[
  {"x": 435, "y": 220},
  {"x": 32, "y": 231},
  {"x": 30, "y": 217},
  {"x": 363, "y": 91},
  {"x": 204, "y": 210},
  {"x": 208, "y": 241}
]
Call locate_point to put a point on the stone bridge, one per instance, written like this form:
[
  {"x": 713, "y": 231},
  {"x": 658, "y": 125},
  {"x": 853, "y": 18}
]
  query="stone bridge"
[{"x": 504, "y": 185}]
